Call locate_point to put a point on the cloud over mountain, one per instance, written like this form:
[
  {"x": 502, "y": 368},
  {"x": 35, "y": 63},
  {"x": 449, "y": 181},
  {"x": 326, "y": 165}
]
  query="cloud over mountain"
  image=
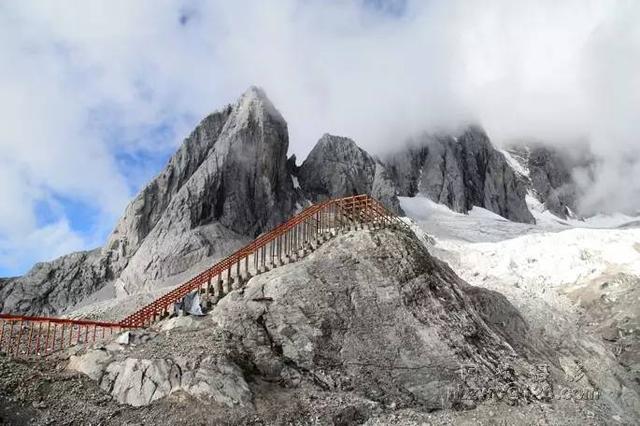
[{"x": 97, "y": 94}]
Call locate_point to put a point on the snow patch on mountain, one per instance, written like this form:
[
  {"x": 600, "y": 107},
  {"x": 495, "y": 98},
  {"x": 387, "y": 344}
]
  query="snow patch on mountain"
[{"x": 517, "y": 166}]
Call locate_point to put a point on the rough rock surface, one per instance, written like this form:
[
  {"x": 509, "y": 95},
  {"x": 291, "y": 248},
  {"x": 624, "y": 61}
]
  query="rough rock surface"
[
  {"x": 461, "y": 172},
  {"x": 138, "y": 381},
  {"x": 227, "y": 183},
  {"x": 550, "y": 176},
  {"x": 241, "y": 188},
  {"x": 337, "y": 167},
  {"x": 374, "y": 313},
  {"x": 51, "y": 287},
  {"x": 369, "y": 328},
  {"x": 610, "y": 308}
]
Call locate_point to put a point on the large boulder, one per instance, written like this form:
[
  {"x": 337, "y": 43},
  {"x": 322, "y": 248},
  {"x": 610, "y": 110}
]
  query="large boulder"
[
  {"x": 140, "y": 381},
  {"x": 337, "y": 167},
  {"x": 461, "y": 171}
]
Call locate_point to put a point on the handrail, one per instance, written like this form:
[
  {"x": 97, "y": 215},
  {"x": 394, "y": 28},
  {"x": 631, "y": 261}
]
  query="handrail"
[
  {"x": 302, "y": 232},
  {"x": 44, "y": 335}
]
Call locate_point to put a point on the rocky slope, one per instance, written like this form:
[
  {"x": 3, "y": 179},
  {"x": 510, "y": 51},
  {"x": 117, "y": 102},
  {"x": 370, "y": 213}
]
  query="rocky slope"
[
  {"x": 51, "y": 287},
  {"x": 574, "y": 282},
  {"x": 461, "y": 172},
  {"x": 370, "y": 328},
  {"x": 549, "y": 172},
  {"x": 337, "y": 167}
]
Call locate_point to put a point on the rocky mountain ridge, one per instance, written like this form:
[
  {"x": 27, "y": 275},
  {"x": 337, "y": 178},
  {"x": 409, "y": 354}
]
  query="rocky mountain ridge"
[
  {"x": 227, "y": 183},
  {"x": 461, "y": 172},
  {"x": 338, "y": 167},
  {"x": 549, "y": 173},
  {"x": 231, "y": 180}
]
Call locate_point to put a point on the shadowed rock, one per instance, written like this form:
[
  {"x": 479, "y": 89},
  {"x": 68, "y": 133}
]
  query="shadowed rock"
[
  {"x": 337, "y": 167},
  {"x": 461, "y": 172}
]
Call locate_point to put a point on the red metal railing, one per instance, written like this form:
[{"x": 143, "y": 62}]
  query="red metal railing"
[
  {"x": 25, "y": 335},
  {"x": 287, "y": 242}
]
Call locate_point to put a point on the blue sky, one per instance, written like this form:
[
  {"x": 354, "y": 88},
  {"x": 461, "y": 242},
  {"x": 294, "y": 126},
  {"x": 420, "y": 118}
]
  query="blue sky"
[{"x": 98, "y": 94}]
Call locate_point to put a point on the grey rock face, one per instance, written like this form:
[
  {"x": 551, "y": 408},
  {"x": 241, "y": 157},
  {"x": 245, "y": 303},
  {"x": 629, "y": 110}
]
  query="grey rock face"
[
  {"x": 550, "y": 176},
  {"x": 374, "y": 313},
  {"x": 337, "y": 167},
  {"x": 51, "y": 287},
  {"x": 227, "y": 183},
  {"x": 139, "y": 382},
  {"x": 461, "y": 172},
  {"x": 144, "y": 212},
  {"x": 240, "y": 189}
]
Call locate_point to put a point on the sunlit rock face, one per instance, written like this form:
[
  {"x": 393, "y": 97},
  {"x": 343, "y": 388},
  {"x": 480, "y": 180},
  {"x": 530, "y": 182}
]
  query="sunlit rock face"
[{"x": 226, "y": 184}]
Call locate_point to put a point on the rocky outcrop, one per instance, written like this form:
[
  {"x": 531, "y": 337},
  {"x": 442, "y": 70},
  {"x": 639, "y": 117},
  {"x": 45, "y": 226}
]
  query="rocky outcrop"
[
  {"x": 139, "y": 382},
  {"x": 227, "y": 183},
  {"x": 51, "y": 287},
  {"x": 461, "y": 172},
  {"x": 337, "y": 167},
  {"x": 144, "y": 212},
  {"x": 550, "y": 176},
  {"x": 374, "y": 313}
]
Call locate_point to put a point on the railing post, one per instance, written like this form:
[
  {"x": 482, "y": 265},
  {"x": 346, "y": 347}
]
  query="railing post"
[
  {"x": 294, "y": 242},
  {"x": 38, "y": 338},
  {"x": 30, "y": 325},
  {"x": 286, "y": 244},
  {"x": 219, "y": 289},
  {"x": 353, "y": 213},
  {"x": 238, "y": 276},
  {"x": 19, "y": 338},
  {"x": 55, "y": 329},
  {"x": 305, "y": 236},
  {"x": 10, "y": 340},
  {"x": 334, "y": 220},
  {"x": 209, "y": 290}
]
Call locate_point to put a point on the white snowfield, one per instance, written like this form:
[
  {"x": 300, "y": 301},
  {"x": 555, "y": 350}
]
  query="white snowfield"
[
  {"x": 535, "y": 266},
  {"x": 552, "y": 253}
]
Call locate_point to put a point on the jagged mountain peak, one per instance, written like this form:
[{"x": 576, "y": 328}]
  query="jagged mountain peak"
[
  {"x": 337, "y": 166},
  {"x": 344, "y": 148},
  {"x": 254, "y": 105},
  {"x": 460, "y": 170},
  {"x": 226, "y": 183}
]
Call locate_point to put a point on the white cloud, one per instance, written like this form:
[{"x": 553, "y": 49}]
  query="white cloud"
[
  {"x": 84, "y": 81},
  {"x": 42, "y": 243}
]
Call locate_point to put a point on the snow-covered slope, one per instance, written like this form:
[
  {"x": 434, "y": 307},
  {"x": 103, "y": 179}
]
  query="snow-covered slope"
[{"x": 568, "y": 278}]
